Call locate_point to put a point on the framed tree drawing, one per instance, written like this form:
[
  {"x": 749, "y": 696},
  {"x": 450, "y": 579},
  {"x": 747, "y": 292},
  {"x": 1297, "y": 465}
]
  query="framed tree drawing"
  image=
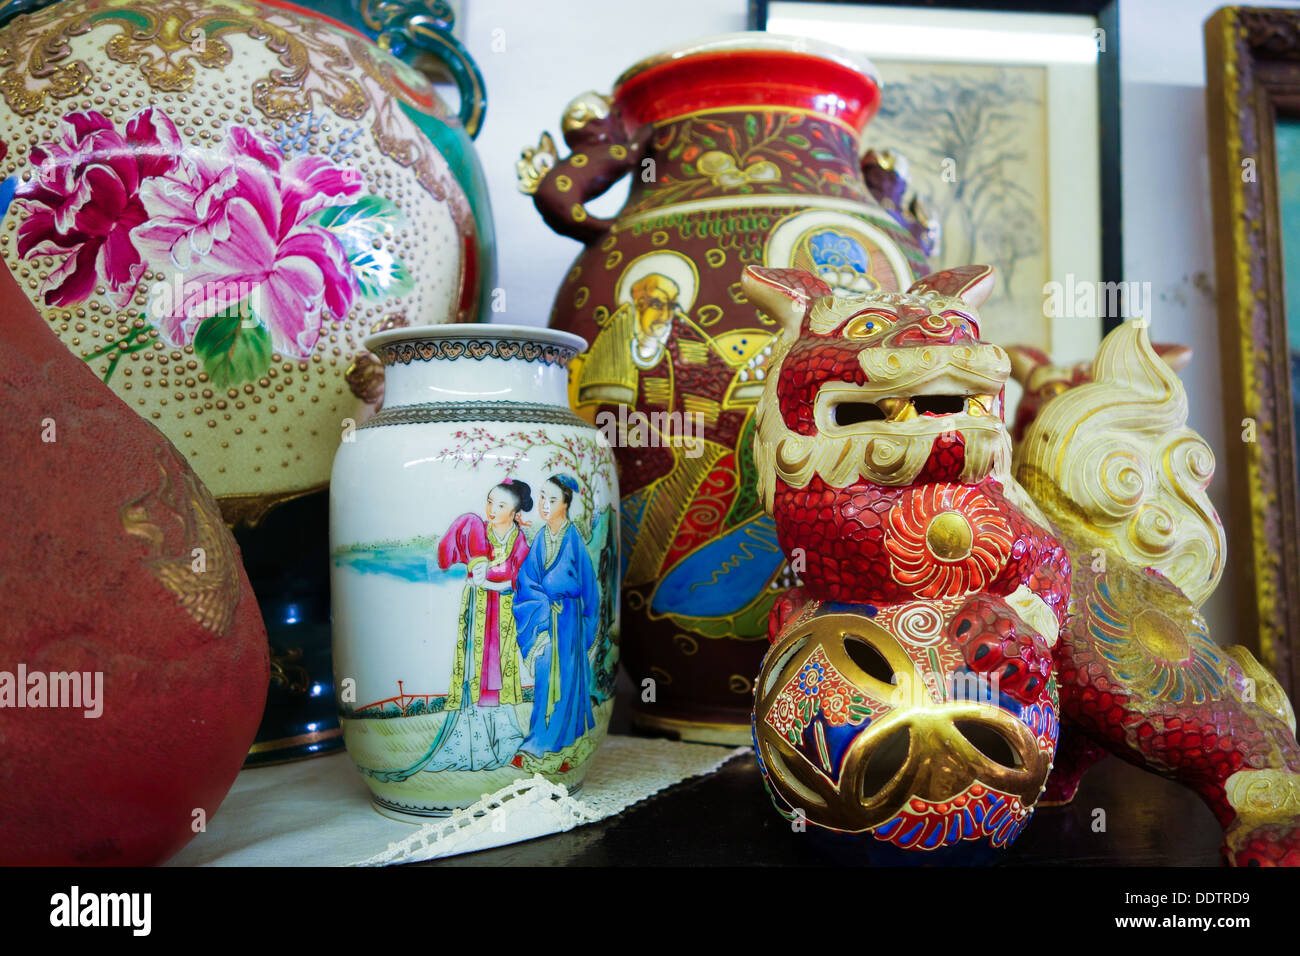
[
  {"x": 1006, "y": 114},
  {"x": 1253, "y": 109}
]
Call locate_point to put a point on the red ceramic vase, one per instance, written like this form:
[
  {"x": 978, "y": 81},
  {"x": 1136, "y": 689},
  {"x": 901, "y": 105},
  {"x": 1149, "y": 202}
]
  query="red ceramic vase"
[{"x": 133, "y": 660}]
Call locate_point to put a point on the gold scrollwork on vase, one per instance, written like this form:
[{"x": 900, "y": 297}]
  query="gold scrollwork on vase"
[
  {"x": 200, "y": 569},
  {"x": 287, "y": 672},
  {"x": 686, "y": 644},
  {"x": 315, "y": 63},
  {"x": 661, "y": 676},
  {"x": 708, "y": 315}
]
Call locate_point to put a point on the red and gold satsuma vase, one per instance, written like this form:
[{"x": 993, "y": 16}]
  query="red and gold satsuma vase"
[{"x": 741, "y": 150}]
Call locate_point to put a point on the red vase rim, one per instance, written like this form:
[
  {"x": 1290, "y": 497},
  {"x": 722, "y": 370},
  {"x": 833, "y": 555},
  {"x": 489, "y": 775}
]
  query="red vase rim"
[{"x": 751, "y": 70}]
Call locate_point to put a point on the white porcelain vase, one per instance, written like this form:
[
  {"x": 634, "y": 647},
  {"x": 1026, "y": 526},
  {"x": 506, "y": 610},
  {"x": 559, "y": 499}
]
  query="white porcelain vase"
[{"x": 474, "y": 569}]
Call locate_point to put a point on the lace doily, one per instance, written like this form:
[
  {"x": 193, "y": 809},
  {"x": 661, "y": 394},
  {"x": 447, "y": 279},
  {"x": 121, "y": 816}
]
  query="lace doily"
[
  {"x": 626, "y": 771},
  {"x": 318, "y": 813}
]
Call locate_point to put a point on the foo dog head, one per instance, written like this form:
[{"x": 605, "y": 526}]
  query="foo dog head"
[
  {"x": 909, "y": 694},
  {"x": 869, "y": 384},
  {"x": 872, "y": 395}
]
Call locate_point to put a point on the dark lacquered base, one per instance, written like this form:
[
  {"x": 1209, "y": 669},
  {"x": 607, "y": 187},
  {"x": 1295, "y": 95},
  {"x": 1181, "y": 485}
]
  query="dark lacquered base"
[{"x": 286, "y": 556}]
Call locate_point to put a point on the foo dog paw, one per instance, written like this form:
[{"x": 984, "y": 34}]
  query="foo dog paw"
[
  {"x": 1274, "y": 843},
  {"x": 786, "y": 608},
  {"x": 994, "y": 640}
]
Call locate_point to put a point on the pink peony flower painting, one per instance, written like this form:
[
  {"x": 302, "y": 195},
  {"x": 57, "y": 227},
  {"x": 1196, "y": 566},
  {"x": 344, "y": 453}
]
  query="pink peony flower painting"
[
  {"x": 282, "y": 243},
  {"x": 236, "y": 218},
  {"x": 84, "y": 199}
]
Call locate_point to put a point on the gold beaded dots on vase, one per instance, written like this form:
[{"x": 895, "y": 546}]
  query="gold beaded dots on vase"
[{"x": 278, "y": 432}]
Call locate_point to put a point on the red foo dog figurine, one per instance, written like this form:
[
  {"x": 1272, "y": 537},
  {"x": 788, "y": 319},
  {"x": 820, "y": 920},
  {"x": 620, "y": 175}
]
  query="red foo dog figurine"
[{"x": 954, "y": 623}]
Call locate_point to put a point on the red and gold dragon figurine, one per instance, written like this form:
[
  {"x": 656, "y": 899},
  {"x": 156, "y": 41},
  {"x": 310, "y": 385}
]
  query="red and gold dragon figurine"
[{"x": 961, "y": 612}]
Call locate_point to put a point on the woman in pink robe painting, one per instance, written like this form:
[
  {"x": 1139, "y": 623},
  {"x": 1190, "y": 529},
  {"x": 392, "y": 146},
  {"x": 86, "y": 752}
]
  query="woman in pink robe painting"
[{"x": 482, "y": 730}]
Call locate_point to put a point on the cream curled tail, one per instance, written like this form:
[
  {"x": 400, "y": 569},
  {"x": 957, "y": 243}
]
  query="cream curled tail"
[{"x": 1113, "y": 463}]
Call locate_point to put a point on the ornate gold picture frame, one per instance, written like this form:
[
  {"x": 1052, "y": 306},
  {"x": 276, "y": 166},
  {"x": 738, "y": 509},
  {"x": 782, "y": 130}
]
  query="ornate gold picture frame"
[{"x": 1253, "y": 85}]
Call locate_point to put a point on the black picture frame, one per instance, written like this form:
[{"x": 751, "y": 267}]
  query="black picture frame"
[{"x": 1108, "y": 102}]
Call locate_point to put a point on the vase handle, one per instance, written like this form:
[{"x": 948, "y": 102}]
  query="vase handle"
[
  {"x": 406, "y": 28},
  {"x": 601, "y": 154},
  {"x": 886, "y": 176}
]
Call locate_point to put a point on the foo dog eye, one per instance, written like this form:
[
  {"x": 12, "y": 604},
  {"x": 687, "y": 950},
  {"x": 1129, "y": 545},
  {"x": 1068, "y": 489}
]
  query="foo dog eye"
[
  {"x": 868, "y": 323},
  {"x": 960, "y": 321}
]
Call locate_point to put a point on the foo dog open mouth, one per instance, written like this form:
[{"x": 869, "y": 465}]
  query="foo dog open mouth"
[{"x": 869, "y": 384}]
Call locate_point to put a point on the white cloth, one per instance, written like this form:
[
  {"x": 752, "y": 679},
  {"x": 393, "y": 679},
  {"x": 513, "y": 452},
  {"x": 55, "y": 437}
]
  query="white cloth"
[{"x": 318, "y": 813}]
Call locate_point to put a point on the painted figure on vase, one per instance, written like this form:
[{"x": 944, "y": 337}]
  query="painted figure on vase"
[
  {"x": 681, "y": 395},
  {"x": 507, "y": 625},
  {"x": 557, "y": 609},
  {"x": 655, "y": 298},
  {"x": 485, "y": 680},
  {"x": 759, "y": 170},
  {"x": 633, "y": 356}
]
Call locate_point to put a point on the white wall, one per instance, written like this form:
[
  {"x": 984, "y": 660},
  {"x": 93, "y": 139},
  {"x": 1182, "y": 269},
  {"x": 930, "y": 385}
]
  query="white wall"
[{"x": 555, "y": 50}]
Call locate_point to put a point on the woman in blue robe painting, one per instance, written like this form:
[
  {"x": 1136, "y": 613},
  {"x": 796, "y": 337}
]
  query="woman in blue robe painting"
[{"x": 557, "y": 611}]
